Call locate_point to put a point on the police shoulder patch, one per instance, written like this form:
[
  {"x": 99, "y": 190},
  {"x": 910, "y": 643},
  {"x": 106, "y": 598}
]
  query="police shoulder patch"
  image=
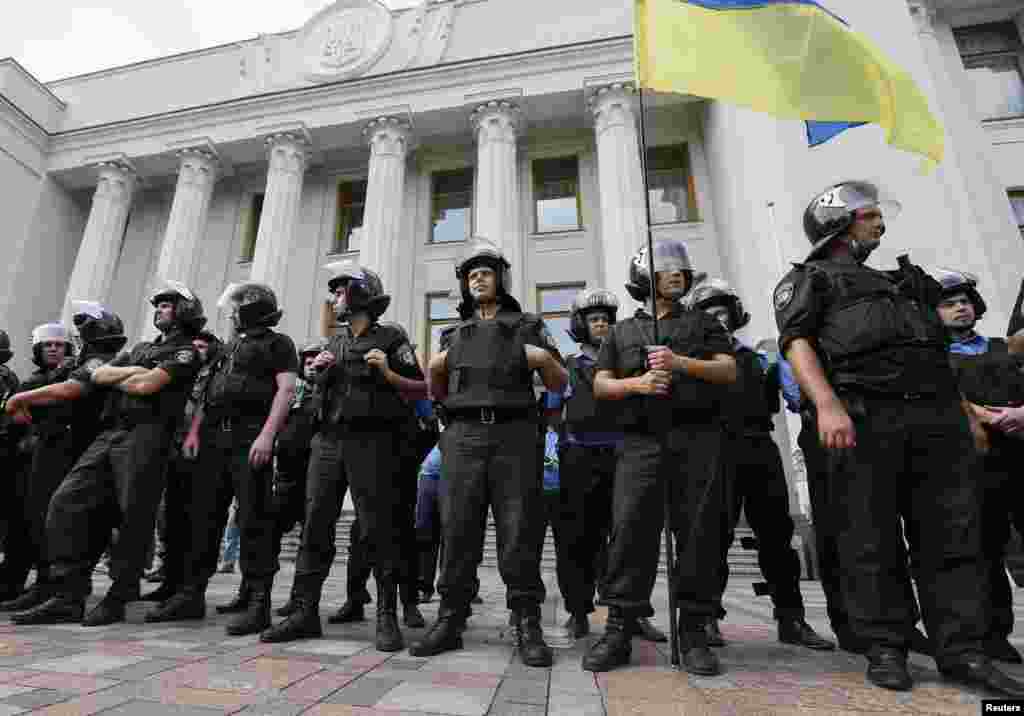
[
  {"x": 406, "y": 355},
  {"x": 783, "y": 295},
  {"x": 185, "y": 357},
  {"x": 92, "y": 364}
]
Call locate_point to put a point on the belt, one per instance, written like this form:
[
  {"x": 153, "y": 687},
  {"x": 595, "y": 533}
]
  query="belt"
[
  {"x": 490, "y": 416},
  {"x": 229, "y": 424}
]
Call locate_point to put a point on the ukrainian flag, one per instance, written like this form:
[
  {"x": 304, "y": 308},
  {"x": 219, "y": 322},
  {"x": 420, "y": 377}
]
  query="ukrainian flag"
[{"x": 792, "y": 59}]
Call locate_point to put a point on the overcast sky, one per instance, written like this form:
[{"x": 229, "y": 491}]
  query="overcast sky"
[{"x": 59, "y": 38}]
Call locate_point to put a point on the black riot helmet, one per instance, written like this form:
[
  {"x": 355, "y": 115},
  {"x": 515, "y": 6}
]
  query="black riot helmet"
[
  {"x": 586, "y": 302},
  {"x": 481, "y": 252},
  {"x": 954, "y": 282},
  {"x": 5, "y": 347},
  {"x": 188, "y": 309},
  {"x": 364, "y": 290},
  {"x": 50, "y": 332},
  {"x": 832, "y": 212},
  {"x": 252, "y": 305},
  {"x": 710, "y": 292},
  {"x": 101, "y": 330},
  {"x": 669, "y": 255}
]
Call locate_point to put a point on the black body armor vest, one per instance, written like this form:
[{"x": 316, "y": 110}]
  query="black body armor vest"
[
  {"x": 357, "y": 390},
  {"x": 753, "y": 398},
  {"x": 994, "y": 378},
  {"x": 487, "y": 365},
  {"x": 243, "y": 382},
  {"x": 583, "y": 412}
]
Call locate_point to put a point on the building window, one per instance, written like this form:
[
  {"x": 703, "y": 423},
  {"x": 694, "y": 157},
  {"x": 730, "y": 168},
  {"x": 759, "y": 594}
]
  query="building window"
[
  {"x": 250, "y": 227},
  {"x": 556, "y": 194},
  {"x": 1017, "y": 202},
  {"x": 351, "y": 205},
  {"x": 670, "y": 184},
  {"x": 441, "y": 312},
  {"x": 993, "y": 56},
  {"x": 451, "y": 197},
  {"x": 555, "y": 302}
]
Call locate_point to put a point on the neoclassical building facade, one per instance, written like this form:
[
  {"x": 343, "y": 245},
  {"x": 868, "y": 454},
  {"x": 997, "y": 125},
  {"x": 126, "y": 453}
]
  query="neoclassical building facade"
[{"x": 391, "y": 136}]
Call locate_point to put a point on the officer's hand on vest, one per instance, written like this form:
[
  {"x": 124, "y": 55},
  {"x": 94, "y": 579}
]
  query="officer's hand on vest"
[
  {"x": 190, "y": 446},
  {"x": 654, "y": 382},
  {"x": 661, "y": 358},
  {"x": 835, "y": 428},
  {"x": 378, "y": 359},
  {"x": 325, "y": 359},
  {"x": 1008, "y": 420},
  {"x": 261, "y": 451}
]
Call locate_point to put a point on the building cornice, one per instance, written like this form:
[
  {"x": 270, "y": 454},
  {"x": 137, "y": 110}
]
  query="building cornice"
[
  {"x": 13, "y": 116},
  {"x": 32, "y": 78},
  {"x": 341, "y": 102}
]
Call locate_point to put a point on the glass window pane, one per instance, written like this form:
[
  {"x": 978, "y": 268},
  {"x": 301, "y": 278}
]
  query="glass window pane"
[
  {"x": 556, "y": 194},
  {"x": 1017, "y": 201},
  {"x": 670, "y": 184},
  {"x": 998, "y": 87},
  {"x": 559, "y": 298},
  {"x": 351, "y": 206},
  {"x": 451, "y": 201},
  {"x": 442, "y": 308},
  {"x": 251, "y": 228},
  {"x": 559, "y": 327}
]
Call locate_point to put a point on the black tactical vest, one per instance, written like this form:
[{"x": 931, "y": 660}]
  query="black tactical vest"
[
  {"x": 86, "y": 412},
  {"x": 583, "y": 412},
  {"x": 875, "y": 336},
  {"x": 164, "y": 406},
  {"x": 56, "y": 418},
  {"x": 994, "y": 378},
  {"x": 358, "y": 391},
  {"x": 243, "y": 382},
  {"x": 753, "y": 398},
  {"x": 487, "y": 365},
  {"x": 8, "y": 386}
]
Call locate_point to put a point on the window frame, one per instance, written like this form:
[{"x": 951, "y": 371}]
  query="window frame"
[
  {"x": 250, "y": 226},
  {"x": 432, "y": 323},
  {"x": 694, "y": 215},
  {"x": 580, "y": 226},
  {"x": 1018, "y": 195},
  {"x": 978, "y": 60},
  {"x": 575, "y": 286},
  {"x": 432, "y": 196},
  {"x": 339, "y": 244}
]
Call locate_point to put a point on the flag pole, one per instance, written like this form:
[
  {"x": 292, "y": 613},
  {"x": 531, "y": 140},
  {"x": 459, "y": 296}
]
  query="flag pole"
[{"x": 670, "y": 569}]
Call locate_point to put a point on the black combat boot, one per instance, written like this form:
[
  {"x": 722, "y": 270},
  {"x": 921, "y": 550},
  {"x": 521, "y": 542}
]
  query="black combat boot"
[
  {"x": 444, "y": 635},
  {"x": 887, "y": 667},
  {"x": 61, "y": 609},
  {"x": 533, "y": 650},
  {"x": 713, "y": 634},
  {"x": 799, "y": 632},
  {"x": 302, "y": 623},
  {"x": 389, "y": 636},
  {"x": 241, "y": 601},
  {"x": 693, "y": 645},
  {"x": 189, "y": 603},
  {"x": 998, "y": 648},
  {"x": 578, "y": 625},
  {"x": 412, "y": 617},
  {"x": 289, "y": 607},
  {"x": 36, "y": 595},
  {"x": 647, "y": 631},
  {"x": 613, "y": 649},
  {"x": 161, "y": 594},
  {"x": 256, "y": 617},
  {"x": 350, "y": 611},
  {"x": 978, "y": 670},
  {"x": 110, "y": 610}
]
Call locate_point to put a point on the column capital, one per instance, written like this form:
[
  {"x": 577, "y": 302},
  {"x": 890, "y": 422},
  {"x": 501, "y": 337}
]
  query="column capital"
[
  {"x": 496, "y": 121},
  {"x": 612, "y": 105},
  {"x": 116, "y": 177},
  {"x": 923, "y": 13},
  {"x": 388, "y": 135},
  {"x": 288, "y": 151},
  {"x": 198, "y": 163}
]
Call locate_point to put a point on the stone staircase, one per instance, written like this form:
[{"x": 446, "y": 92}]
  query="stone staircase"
[{"x": 742, "y": 562}]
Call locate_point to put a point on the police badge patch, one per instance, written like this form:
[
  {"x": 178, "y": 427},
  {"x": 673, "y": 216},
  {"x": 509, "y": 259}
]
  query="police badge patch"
[
  {"x": 406, "y": 355},
  {"x": 783, "y": 295},
  {"x": 184, "y": 357}
]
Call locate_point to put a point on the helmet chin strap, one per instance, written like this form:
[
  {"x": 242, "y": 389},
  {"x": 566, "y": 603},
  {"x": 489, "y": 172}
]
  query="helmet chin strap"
[{"x": 860, "y": 251}]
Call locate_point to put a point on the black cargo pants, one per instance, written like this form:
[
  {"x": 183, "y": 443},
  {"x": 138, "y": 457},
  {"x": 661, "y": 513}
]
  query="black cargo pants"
[{"x": 1002, "y": 504}]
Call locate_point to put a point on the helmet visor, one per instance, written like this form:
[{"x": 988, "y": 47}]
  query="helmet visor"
[
  {"x": 950, "y": 279},
  {"x": 82, "y": 309},
  {"x": 349, "y": 269},
  {"x": 853, "y": 196},
  {"x": 167, "y": 286},
  {"x": 49, "y": 332},
  {"x": 671, "y": 256}
]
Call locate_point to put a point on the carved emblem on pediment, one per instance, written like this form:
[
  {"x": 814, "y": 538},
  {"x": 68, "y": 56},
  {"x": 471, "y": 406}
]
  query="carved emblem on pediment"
[{"x": 346, "y": 38}]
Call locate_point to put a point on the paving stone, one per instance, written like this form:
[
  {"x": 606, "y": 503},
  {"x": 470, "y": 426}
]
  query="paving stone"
[
  {"x": 37, "y": 698},
  {"x": 149, "y": 708},
  {"x": 319, "y": 686},
  {"x": 12, "y": 689},
  {"x": 408, "y": 664},
  {"x": 67, "y": 682},
  {"x": 365, "y": 691},
  {"x": 524, "y": 692},
  {"x": 329, "y": 648},
  {"x": 141, "y": 670},
  {"x": 436, "y": 698},
  {"x": 509, "y": 708},
  {"x": 89, "y": 663},
  {"x": 277, "y": 707}
]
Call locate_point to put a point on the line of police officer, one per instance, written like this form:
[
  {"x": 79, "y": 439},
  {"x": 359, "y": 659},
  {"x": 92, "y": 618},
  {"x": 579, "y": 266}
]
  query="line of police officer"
[{"x": 672, "y": 427}]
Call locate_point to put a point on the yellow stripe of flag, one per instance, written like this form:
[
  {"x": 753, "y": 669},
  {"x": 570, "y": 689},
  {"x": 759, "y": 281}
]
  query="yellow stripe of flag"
[{"x": 789, "y": 60}]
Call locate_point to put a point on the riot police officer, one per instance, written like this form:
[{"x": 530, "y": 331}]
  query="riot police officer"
[
  {"x": 250, "y": 390},
  {"x": 869, "y": 352},
  {"x": 292, "y": 454},
  {"x": 181, "y": 471},
  {"x": 366, "y": 372},
  {"x": 490, "y": 453},
  {"x": 757, "y": 479},
  {"x": 671, "y": 395},
  {"x": 66, "y": 418},
  {"x": 10, "y": 436},
  {"x": 120, "y": 477},
  {"x": 990, "y": 372}
]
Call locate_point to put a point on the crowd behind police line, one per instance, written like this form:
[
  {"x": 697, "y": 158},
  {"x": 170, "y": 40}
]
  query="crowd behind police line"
[{"x": 912, "y": 425}]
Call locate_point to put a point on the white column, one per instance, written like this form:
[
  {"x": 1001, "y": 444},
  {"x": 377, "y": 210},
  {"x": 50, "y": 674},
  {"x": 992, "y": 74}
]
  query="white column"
[
  {"x": 620, "y": 183},
  {"x": 197, "y": 174},
  {"x": 388, "y": 138},
  {"x": 288, "y": 155},
  {"x": 96, "y": 261},
  {"x": 496, "y": 196}
]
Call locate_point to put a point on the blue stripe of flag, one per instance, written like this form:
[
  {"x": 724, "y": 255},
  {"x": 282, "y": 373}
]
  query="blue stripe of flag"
[
  {"x": 755, "y": 4},
  {"x": 821, "y": 132}
]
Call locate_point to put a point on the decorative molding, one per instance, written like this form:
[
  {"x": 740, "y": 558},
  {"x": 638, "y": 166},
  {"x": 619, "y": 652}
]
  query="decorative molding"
[
  {"x": 292, "y": 128},
  {"x": 388, "y": 135},
  {"x": 592, "y": 84},
  {"x": 496, "y": 121},
  {"x": 924, "y": 14},
  {"x": 482, "y": 97},
  {"x": 345, "y": 38},
  {"x": 402, "y": 111},
  {"x": 118, "y": 159}
]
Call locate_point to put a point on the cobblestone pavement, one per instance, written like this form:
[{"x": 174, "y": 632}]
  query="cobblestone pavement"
[{"x": 193, "y": 668}]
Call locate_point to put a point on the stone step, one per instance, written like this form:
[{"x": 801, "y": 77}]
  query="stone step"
[{"x": 742, "y": 562}]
